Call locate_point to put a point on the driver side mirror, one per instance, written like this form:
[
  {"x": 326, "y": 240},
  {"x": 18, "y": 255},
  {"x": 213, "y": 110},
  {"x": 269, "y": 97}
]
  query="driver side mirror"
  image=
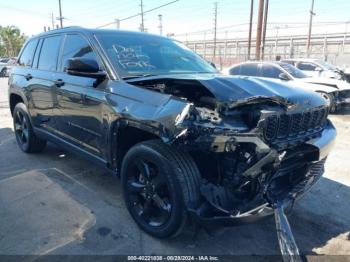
[
  {"x": 318, "y": 69},
  {"x": 84, "y": 67},
  {"x": 284, "y": 77}
]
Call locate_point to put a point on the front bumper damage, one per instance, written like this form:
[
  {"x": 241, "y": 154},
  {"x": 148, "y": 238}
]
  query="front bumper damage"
[{"x": 209, "y": 214}]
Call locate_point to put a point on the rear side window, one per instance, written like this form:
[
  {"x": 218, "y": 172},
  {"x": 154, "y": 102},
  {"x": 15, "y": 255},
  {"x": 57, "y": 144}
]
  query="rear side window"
[
  {"x": 288, "y": 62},
  {"x": 249, "y": 70},
  {"x": 27, "y": 55},
  {"x": 49, "y": 53},
  {"x": 270, "y": 71},
  {"x": 306, "y": 66},
  {"x": 76, "y": 46},
  {"x": 235, "y": 70}
]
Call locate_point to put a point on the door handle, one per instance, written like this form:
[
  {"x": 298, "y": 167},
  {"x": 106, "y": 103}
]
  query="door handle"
[
  {"x": 58, "y": 82},
  {"x": 28, "y": 77}
]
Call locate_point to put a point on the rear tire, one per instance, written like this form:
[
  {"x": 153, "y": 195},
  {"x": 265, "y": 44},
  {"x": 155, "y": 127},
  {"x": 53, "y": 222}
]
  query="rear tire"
[
  {"x": 159, "y": 183},
  {"x": 26, "y": 139}
]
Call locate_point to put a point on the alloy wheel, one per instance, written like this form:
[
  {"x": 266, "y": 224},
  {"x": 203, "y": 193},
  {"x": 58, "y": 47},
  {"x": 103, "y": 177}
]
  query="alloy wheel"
[
  {"x": 21, "y": 128},
  {"x": 148, "y": 193}
]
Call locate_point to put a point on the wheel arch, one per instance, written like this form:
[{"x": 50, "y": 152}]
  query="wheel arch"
[
  {"x": 14, "y": 99},
  {"x": 123, "y": 135}
]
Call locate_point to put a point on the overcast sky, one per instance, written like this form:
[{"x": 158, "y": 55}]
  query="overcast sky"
[{"x": 184, "y": 16}]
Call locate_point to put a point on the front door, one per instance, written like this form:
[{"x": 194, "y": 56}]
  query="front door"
[{"x": 79, "y": 103}]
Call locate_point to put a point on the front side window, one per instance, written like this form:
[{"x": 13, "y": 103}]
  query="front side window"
[
  {"x": 49, "y": 53},
  {"x": 270, "y": 71},
  {"x": 306, "y": 66},
  {"x": 76, "y": 46},
  {"x": 137, "y": 55},
  {"x": 27, "y": 55}
]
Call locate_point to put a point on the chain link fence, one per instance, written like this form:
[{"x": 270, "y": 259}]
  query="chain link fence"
[{"x": 334, "y": 48}]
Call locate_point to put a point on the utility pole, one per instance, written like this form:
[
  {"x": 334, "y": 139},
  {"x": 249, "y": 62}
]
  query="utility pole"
[
  {"x": 250, "y": 27},
  {"x": 215, "y": 27},
  {"x": 160, "y": 24},
  {"x": 52, "y": 21},
  {"x": 259, "y": 29},
  {"x": 142, "y": 26},
  {"x": 310, "y": 27},
  {"x": 60, "y": 10},
  {"x": 264, "y": 29},
  {"x": 117, "y": 23}
]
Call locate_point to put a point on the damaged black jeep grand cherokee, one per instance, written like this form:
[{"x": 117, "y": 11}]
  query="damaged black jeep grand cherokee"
[{"x": 187, "y": 141}]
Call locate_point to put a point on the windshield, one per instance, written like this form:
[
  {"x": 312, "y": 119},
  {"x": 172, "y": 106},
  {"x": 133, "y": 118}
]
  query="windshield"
[
  {"x": 326, "y": 65},
  {"x": 138, "y": 55},
  {"x": 295, "y": 72}
]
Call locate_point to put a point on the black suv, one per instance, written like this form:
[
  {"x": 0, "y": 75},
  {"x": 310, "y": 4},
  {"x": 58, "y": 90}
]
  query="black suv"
[{"x": 186, "y": 141}]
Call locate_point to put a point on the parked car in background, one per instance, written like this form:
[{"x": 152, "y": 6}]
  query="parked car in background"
[
  {"x": 336, "y": 92},
  {"x": 6, "y": 64},
  {"x": 318, "y": 68},
  {"x": 187, "y": 141}
]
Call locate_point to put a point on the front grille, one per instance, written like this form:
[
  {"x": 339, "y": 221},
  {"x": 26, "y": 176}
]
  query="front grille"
[{"x": 289, "y": 126}]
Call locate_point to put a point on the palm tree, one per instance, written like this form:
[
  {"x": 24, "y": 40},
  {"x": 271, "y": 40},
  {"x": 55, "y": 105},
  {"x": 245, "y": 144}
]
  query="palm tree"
[{"x": 11, "y": 40}]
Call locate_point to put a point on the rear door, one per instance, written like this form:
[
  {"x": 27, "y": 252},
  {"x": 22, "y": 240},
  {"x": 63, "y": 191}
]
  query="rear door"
[
  {"x": 43, "y": 78},
  {"x": 21, "y": 80},
  {"x": 79, "y": 102}
]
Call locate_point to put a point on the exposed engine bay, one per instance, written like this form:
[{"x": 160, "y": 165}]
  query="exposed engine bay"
[
  {"x": 249, "y": 152},
  {"x": 256, "y": 152}
]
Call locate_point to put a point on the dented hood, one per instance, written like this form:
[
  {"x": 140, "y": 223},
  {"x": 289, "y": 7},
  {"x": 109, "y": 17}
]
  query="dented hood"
[{"x": 239, "y": 89}]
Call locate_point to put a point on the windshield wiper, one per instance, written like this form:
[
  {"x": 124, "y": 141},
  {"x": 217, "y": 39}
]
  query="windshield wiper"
[{"x": 136, "y": 76}]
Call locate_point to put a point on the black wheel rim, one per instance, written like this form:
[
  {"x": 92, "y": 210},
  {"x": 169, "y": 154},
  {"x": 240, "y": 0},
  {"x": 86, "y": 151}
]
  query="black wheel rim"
[
  {"x": 148, "y": 193},
  {"x": 21, "y": 128}
]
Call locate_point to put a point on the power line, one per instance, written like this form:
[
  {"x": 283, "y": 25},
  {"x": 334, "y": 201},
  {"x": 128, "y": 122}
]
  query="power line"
[
  {"x": 136, "y": 15},
  {"x": 101, "y": 7}
]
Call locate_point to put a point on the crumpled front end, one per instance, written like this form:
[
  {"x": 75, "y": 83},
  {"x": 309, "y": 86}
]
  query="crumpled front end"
[
  {"x": 264, "y": 144},
  {"x": 253, "y": 157}
]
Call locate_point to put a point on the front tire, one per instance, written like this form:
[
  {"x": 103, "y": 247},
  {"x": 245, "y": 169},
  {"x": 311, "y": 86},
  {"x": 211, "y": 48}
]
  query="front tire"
[
  {"x": 159, "y": 183},
  {"x": 27, "y": 141}
]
